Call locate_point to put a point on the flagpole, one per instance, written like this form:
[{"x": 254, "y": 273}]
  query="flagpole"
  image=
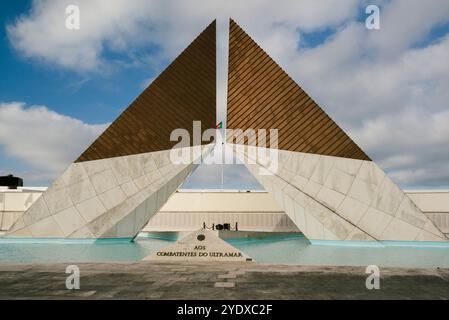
[{"x": 222, "y": 162}]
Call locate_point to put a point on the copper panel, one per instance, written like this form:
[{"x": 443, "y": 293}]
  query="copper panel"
[
  {"x": 262, "y": 96},
  {"x": 184, "y": 92}
]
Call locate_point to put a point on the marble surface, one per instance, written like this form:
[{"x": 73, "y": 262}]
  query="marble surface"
[
  {"x": 200, "y": 245},
  {"x": 108, "y": 198},
  {"x": 331, "y": 198}
]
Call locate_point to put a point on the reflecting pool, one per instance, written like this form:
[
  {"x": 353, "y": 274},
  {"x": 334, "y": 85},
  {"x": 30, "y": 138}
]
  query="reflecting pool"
[{"x": 291, "y": 249}]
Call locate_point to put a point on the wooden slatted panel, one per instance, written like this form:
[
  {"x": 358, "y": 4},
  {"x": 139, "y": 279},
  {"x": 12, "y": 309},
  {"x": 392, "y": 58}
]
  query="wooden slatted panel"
[
  {"x": 183, "y": 93},
  {"x": 262, "y": 96}
]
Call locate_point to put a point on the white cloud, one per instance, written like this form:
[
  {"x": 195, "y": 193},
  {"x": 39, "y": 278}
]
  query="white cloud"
[
  {"x": 411, "y": 145},
  {"x": 388, "y": 93},
  {"x": 123, "y": 25},
  {"x": 395, "y": 108},
  {"x": 45, "y": 140},
  {"x": 405, "y": 23}
]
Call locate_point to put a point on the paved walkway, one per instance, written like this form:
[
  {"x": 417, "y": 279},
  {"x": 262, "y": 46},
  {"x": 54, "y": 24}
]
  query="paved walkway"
[{"x": 149, "y": 280}]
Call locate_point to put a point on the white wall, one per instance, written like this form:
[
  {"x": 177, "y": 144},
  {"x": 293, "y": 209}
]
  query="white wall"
[
  {"x": 435, "y": 204},
  {"x": 253, "y": 211},
  {"x": 13, "y": 204}
]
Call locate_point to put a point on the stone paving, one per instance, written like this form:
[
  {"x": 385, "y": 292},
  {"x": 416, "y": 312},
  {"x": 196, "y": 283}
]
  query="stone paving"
[{"x": 149, "y": 280}]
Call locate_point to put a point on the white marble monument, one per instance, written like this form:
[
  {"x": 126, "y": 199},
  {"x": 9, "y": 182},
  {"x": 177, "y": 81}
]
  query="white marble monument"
[{"x": 199, "y": 246}]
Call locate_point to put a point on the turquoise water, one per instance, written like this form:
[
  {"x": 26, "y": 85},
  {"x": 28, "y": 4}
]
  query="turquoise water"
[
  {"x": 295, "y": 250},
  {"x": 61, "y": 251},
  {"x": 299, "y": 251}
]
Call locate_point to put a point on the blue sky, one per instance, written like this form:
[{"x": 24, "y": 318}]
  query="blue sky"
[
  {"x": 91, "y": 97},
  {"x": 94, "y": 98},
  {"x": 58, "y": 92}
]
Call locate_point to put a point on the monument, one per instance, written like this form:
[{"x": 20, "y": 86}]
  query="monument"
[
  {"x": 201, "y": 245},
  {"x": 328, "y": 186}
]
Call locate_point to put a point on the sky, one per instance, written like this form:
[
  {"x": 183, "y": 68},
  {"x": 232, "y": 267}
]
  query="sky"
[{"x": 387, "y": 88}]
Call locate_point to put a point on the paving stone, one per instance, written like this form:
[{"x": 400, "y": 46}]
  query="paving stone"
[
  {"x": 224, "y": 284},
  {"x": 227, "y": 276},
  {"x": 202, "y": 281}
]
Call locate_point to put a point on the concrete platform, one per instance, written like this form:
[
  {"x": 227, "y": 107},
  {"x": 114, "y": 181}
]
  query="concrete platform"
[{"x": 150, "y": 280}]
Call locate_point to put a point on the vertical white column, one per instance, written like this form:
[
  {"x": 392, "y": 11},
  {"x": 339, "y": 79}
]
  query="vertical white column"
[
  {"x": 222, "y": 85},
  {"x": 222, "y": 70}
]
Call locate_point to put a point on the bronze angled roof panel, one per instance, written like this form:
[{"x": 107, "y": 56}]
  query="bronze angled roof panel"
[
  {"x": 262, "y": 96},
  {"x": 184, "y": 92}
]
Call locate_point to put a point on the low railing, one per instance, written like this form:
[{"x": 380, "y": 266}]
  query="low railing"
[{"x": 221, "y": 226}]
